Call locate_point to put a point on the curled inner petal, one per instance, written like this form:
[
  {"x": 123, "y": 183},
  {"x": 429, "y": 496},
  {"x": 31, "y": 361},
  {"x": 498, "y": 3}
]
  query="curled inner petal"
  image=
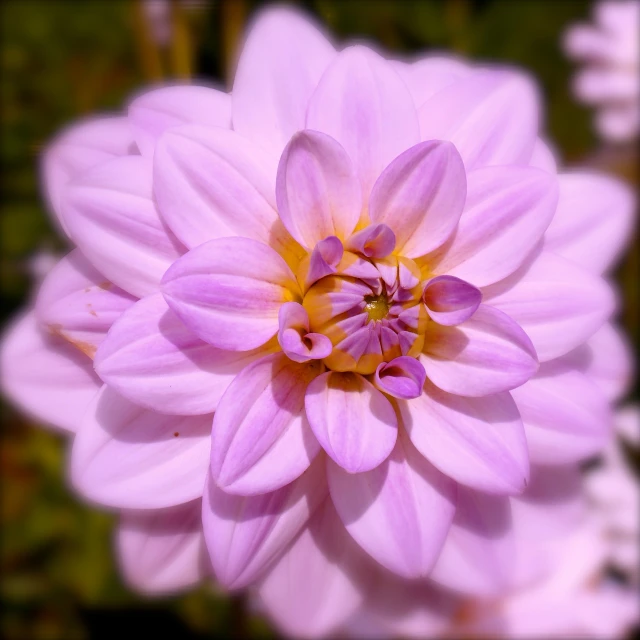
[
  {"x": 403, "y": 377},
  {"x": 450, "y": 300},
  {"x": 294, "y": 337},
  {"x": 376, "y": 241}
]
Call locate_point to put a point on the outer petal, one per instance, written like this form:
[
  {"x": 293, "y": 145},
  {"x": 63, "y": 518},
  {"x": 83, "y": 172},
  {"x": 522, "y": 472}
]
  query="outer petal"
[
  {"x": 353, "y": 421},
  {"x": 366, "y": 107},
  {"x": 212, "y": 183},
  {"x": 78, "y": 304},
  {"x": 261, "y": 438},
  {"x": 79, "y": 148},
  {"x": 245, "y": 534},
  {"x": 317, "y": 189},
  {"x": 282, "y": 61},
  {"x": 508, "y": 209},
  {"x": 152, "y": 113},
  {"x": 479, "y": 442},
  {"x": 558, "y": 304},
  {"x": 420, "y": 196},
  {"x": 112, "y": 218},
  {"x": 318, "y": 583},
  {"x": 566, "y": 417},
  {"x": 162, "y": 551},
  {"x": 228, "y": 292},
  {"x": 479, "y": 552},
  {"x": 130, "y": 458},
  {"x": 607, "y": 359},
  {"x": 491, "y": 116},
  {"x": 593, "y": 221},
  {"x": 152, "y": 359},
  {"x": 399, "y": 512},
  {"x": 44, "y": 375},
  {"x": 486, "y": 354}
]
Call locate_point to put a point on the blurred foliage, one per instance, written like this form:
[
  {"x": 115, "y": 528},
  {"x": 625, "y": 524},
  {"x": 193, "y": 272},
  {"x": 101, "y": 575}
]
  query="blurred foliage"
[{"x": 64, "y": 59}]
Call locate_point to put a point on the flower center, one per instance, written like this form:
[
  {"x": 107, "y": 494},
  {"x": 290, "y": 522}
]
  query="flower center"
[{"x": 377, "y": 307}]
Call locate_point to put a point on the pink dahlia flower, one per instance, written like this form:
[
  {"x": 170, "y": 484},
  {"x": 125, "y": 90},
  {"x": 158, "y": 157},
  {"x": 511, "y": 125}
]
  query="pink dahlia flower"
[
  {"x": 610, "y": 50},
  {"x": 345, "y": 305}
]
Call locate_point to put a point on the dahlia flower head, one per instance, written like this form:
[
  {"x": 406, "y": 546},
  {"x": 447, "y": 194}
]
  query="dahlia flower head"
[
  {"x": 610, "y": 80},
  {"x": 326, "y": 325}
]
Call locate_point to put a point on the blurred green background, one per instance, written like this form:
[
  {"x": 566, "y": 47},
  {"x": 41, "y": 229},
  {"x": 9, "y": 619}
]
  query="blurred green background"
[{"x": 61, "y": 60}]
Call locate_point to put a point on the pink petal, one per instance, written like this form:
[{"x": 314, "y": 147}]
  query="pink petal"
[
  {"x": 366, "y": 107},
  {"x": 607, "y": 359},
  {"x": 323, "y": 261},
  {"x": 375, "y": 241},
  {"x": 153, "y": 112},
  {"x": 212, "y": 183},
  {"x": 228, "y": 292},
  {"x": 129, "y": 458},
  {"x": 261, "y": 438},
  {"x": 317, "y": 189},
  {"x": 566, "y": 417},
  {"x": 426, "y": 77},
  {"x": 402, "y": 377},
  {"x": 111, "y": 217},
  {"x": 558, "y": 304},
  {"x": 479, "y": 442},
  {"x": 491, "y": 116},
  {"x": 450, "y": 301},
  {"x": 544, "y": 157},
  {"x": 79, "y": 148},
  {"x": 78, "y": 304},
  {"x": 420, "y": 195},
  {"x": 245, "y": 534},
  {"x": 162, "y": 551},
  {"x": 319, "y": 581},
  {"x": 152, "y": 359},
  {"x": 298, "y": 344},
  {"x": 593, "y": 222},
  {"x": 355, "y": 424},
  {"x": 479, "y": 552},
  {"x": 508, "y": 210},
  {"x": 486, "y": 354},
  {"x": 282, "y": 61},
  {"x": 399, "y": 512},
  {"x": 44, "y": 375}
]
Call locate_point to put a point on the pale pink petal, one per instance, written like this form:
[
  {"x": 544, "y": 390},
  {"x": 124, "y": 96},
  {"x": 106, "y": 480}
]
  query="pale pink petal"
[
  {"x": 593, "y": 85},
  {"x": 507, "y": 212},
  {"x": 228, "y": 292},
  {"x": 486, "y": 354},
  {"x": 162, "y": 551},
  {"x": 317, "y": 189},
  {"x": 355, "y": 424},
  {"x": 593, "y": 221},
  {"x": 544, "y": 157},
  {"x": 153, "y": 112},
  {"x": 450, "y": 301},
  {"x": 619, "y": 123},
  {"x": 492, "y": 116},
  {"x": 110, "y": 215},
  {"x": 420, "y": 196},
  {"x": 557, "y": 303},
  {"x": 566, "y": 417},
  {"x": 426, "y": 77},
  {"x": 245, "y": 534},
  {"x": 375, "y": 241},
  {"x": 293, "y": 335},
  {"x": 479, "y": 442},
  {"x": 79, "y": 148},
  {"x": 323, "y": 261},
  {"x": 282, "y": 61},
  {"x": 403, "y": 377},
  {"x": 319, "y": 581},
  {"x": 400, "y": 512},
  {"x": 79, "y": 304},
  {"x": 45, "y": 376},
  {"x": 261, "y": 437},
  {"x": 362, "y": 103},
  {"x": 212, "y": 183},
  {"x": 126, "y": 457},
  {"x": 479, "y": 552},
  {"x": 152, "y": 359}
]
